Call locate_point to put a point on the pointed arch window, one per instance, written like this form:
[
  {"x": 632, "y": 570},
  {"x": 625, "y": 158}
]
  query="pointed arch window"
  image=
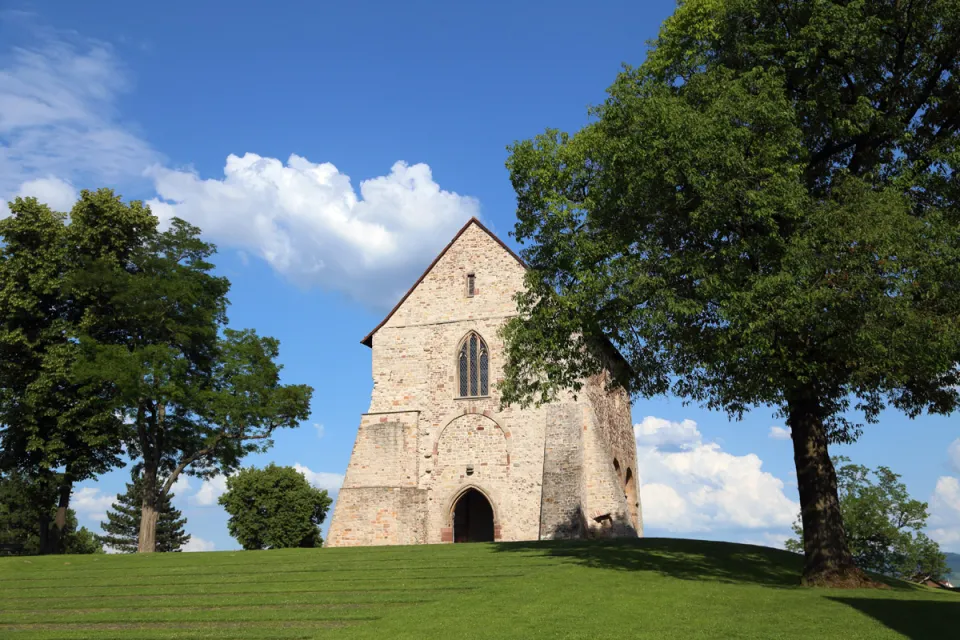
[{"x": 473, "y": 367}]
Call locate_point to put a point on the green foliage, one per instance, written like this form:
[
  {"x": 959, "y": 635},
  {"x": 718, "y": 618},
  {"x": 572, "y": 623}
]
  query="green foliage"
[
  {"x": 764, "y": 213},
  {"x": 274, "y": 508},
  {"x": 760, "y": 206},
  {"x": 122, "y": 527},
  {"x": 883, "y": 525},
  {"x": 83, "y": 541},
  {"x": 199, "y": 396},
  {"x": 48, "y": 420},
  {"x": 26, "y": 505}
]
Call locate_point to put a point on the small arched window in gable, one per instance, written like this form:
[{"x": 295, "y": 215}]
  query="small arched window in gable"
[{"x": 473, "y": 367}]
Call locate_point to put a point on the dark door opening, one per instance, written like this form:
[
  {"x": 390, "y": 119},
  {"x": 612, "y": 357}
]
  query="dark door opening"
[{"x": 473, "y": 518}]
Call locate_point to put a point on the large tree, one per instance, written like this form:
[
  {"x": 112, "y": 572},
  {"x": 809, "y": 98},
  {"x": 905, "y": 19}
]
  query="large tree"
[
  {"x": 48, "y": 421},
  {"x": 883, "y": 524},
  {"x": 764, "y": 213},
  {"x": 199, "y": 396},
  {"x": 122, "y": 527},
  {"x": 274, "y": 508}
]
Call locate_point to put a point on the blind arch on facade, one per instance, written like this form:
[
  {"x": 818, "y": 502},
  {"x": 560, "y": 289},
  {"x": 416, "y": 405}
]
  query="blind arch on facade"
[{"x": 473, "y": 366}]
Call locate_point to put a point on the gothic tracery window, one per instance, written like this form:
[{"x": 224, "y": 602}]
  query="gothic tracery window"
[{"x": 473, "y": 367}]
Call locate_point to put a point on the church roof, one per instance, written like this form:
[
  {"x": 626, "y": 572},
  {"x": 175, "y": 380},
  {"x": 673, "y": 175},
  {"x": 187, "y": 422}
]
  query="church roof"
[{"x": 368, "y": 339}]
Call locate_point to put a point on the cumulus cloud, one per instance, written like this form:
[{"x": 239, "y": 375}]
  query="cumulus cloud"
[
  {"x": 60, "y": 129},
  {"x": 54, "y": 192},
  {"x": 776, "y": 540},
  {"x": 661, "y": 434},
  {"x": 953, "y": 454},
  {"x": 780, "y": 433},
  {"x": 321, "y": 479},
  {"x": 310, "y": 224},
  {"x": 198, "y": 544},
  {"x": 91, "y": 503},
  {"x": 320, "y": 429},
  {"x": 945, "y": 513},
  {"x": 181, "y": 486},
  {"x": 688, "y": 485},
  {"x": 210, "y": 491},
  {"x": 58, "y": 122}
]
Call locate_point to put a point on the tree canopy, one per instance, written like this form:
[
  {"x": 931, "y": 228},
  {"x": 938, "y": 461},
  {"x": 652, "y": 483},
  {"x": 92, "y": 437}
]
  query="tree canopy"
[
  {"x": 48, "y": 420},
  {"x": 199, "y": 396},
  {"x": 274, "y": 508},
  {"x": 763, "y": 213}
]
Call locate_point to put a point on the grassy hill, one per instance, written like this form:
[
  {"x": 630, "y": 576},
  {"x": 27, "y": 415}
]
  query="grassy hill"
[{"x": 651, "y": 588}]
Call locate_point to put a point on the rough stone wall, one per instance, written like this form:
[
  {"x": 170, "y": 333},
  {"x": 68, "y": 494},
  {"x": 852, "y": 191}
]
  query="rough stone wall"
[
  {"x": 371, "y": 516},
  {"x": 561, "y": 511},
  {"x": 419, "y": 438},
  {"x": 609, "y": 437}
]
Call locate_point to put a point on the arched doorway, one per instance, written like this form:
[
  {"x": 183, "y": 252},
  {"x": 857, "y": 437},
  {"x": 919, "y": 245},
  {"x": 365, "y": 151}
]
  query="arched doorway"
[{"x": 472, "y": 518}]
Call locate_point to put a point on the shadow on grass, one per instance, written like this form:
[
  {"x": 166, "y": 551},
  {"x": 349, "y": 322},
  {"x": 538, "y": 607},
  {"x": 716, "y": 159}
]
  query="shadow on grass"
[
  {"x": 914, "y": 619},
  {"x": 702, "y": 560},
  {"x": 676, "y": 558}
]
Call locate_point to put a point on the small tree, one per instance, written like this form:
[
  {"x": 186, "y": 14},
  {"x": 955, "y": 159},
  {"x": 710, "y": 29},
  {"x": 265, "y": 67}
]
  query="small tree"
[
  {"x": 123, "y": 520},
  {"x": 883, "y": 525},
  {"x": 274, "y": 508}
]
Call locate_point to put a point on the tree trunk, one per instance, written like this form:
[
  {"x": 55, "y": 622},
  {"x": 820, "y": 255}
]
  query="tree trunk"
[
  {"x": 44, "y": 533},
  {"x": 147, "y": 541},
  {"x": 60, "y": 520},
  {"x": 827, "y": 558}
]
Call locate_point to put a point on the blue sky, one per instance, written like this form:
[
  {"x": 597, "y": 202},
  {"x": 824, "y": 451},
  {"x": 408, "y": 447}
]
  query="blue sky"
[{"x": 278, "y": 129}]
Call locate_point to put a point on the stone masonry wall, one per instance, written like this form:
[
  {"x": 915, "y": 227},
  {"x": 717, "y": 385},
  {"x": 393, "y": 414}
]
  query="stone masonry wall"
[
  {"x": 561, "y": 513},
  {"x": 410, "y": 462},
  {"x": 610, "y": 438}
]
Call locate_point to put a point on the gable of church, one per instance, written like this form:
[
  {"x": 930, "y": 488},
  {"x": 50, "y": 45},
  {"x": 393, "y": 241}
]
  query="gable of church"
[{"x": 475, "y": 276}]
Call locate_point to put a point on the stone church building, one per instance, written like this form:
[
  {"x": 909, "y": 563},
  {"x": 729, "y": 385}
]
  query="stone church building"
[{"x": 437, "y": 460}]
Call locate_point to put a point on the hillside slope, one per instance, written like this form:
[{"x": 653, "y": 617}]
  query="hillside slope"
[{"x": 650, "y": 588}]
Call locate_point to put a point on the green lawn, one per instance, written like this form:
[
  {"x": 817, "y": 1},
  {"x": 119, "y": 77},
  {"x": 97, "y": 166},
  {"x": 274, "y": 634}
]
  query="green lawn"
[{"x": 651, "y": 588}]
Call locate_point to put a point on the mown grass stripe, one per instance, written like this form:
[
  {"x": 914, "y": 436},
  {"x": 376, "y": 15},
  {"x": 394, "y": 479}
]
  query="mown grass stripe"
[
  {"x": 220, "y": 577},
  {"x": 216, "y": 607},
  {"x": 185, "y": 590},
  {"x": 163, "y": 626},
  {"x": 243, "y": 599},
  {"x": 148, "y": 570},
  {"x": 350, "y": 580}
]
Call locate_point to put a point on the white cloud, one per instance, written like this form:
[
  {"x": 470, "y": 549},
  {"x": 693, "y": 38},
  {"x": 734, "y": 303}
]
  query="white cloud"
[
  {"x": 58, "y": 123},
  {"x": 780, "y": 433},
  {"x": 54, "y": 192},
  {"x": 953, "y": 453},
  {"x": 198, "y": 544},
  {"x": 660, "y": 433},
  {"x": 60, "y": 130},
  {"x": 321, "y": 479},
  {"x": 181, "y": 486},
  {"x": 307, "y": 221},
  {"x": 775, "y": 540},
  {"x": 91, "y": 503},
  {"x": 210, "y": 491},
  {"x": 945, "y": 513},
  {"x": 688, "y": 485},
  {"x": 320, "y": 429}
]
